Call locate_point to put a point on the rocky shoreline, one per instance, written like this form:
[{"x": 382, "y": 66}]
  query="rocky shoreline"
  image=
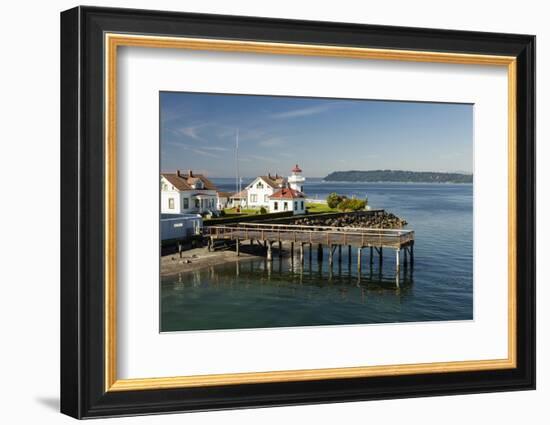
[{"x": 378, "y": 220}]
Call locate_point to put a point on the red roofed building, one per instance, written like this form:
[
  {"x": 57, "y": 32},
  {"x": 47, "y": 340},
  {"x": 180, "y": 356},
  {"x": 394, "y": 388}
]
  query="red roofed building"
[{"x": 287, "y": 199}]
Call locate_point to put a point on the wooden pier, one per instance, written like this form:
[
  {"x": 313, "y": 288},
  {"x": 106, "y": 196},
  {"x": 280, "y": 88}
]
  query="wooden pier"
[{"x": 333, "y": 238}]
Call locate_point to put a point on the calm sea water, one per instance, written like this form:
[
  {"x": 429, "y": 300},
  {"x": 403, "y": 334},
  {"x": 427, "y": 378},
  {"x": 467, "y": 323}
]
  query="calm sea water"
[{"x": 257, "y": 294}]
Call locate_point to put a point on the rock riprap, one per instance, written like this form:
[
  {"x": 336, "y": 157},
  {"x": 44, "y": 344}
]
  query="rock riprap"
[{"x": 379, "y": 220}]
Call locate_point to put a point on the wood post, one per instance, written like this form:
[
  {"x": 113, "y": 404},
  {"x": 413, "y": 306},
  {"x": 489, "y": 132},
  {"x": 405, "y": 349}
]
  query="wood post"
[
  {"x": 179, "y": 249},
  {"x": 359, "y": 259},
  {"x": 412, "y": 253},
  {"x": 330, "y": 255},
  {"x": 280, "y": 249},
  {"x": 371, "y": 255},
  {"x": 381, "y": 257},
  {"x": 269, "y": 254},
  {"x": 349, "y": 255},
  {"x": 397, "y": 265},
  {"x": 291, "y": 249},
  {"x": 339, "y": 254},
  {"x": 237, "y": 247},
  {"x": 302, "y": 252},
  {"x": 320, "y": 252}
]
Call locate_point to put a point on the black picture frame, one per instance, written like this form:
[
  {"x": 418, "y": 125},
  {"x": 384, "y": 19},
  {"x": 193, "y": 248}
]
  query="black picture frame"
[{"x": 82, "y": 219}]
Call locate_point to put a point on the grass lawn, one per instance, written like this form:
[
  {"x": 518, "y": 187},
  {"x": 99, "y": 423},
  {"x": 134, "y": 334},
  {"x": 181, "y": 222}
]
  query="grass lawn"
[
  {"x": 319, "y": 208},
  {"x": 232, "y": 212}
]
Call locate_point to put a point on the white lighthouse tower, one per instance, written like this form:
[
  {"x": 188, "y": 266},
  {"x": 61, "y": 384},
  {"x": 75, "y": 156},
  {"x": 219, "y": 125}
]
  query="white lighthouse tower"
[{"x": 296, "y": 180}]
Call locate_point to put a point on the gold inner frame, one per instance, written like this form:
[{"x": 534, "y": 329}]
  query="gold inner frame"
[{"x": 113, "y": 41}]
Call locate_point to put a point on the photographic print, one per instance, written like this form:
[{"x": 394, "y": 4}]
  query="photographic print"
[{"x": 288, "y": 211}]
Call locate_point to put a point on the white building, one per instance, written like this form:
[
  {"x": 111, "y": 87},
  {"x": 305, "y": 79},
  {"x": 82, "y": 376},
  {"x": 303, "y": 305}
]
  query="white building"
[
  {"x": 259, "y": 191},
  {"x": 287, "y": 199},
  {"x": 296, "y": 180},
  {"x": 187, "y": 193},
  {"x": 178, "y": 227},
  {"x": 223, "y": 200},
  {"x": 239, "y": 199}
]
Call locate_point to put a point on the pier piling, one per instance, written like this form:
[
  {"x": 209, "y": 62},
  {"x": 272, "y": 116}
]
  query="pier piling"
[
  {"x": 333, "y": 238},
  {"x": 397, "y": 265}
]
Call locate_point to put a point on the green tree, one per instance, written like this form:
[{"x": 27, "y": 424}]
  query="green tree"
[
  {"x": 263, "y": 210},
  {"x": 333, "y": 200}
]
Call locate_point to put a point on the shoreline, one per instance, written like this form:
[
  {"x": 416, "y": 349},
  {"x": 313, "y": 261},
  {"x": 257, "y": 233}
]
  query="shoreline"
[{"x": 199, "y": 258}]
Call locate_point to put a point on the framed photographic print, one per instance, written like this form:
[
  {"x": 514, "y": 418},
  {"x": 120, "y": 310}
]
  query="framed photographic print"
[{"x": 261, "y": 212}]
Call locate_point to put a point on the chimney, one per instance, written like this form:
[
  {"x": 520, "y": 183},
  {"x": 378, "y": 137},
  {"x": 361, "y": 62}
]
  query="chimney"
[
  {"x": 190, "y": 173},
  {"x": 179, "y": 173},
  {"x": 269, "y": 176}
]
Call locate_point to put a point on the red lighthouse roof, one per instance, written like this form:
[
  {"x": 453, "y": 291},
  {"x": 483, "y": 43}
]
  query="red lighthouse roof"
[
  {"x": 296, "y": 169},
  {"x": 286, "y": 193}
]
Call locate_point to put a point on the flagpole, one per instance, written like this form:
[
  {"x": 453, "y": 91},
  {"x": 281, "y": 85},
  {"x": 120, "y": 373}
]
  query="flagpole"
[{"x": 236, "y": 161}]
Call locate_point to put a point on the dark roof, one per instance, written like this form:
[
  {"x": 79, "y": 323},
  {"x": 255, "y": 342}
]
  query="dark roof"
[
  {"x": 224, "y": 194},
  {"x": 287, "y": 193},
  {"x": 274, "y": 182},
  {"x": 182, "y": 181}
]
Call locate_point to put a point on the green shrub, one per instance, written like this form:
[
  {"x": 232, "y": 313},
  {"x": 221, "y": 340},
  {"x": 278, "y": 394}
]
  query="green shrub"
[
  {"x": 333, "y": 200},
  {"x": 222, "y": 213},
  {"x": 352, "y": 205},
  {"x": 263, "y": 210}
]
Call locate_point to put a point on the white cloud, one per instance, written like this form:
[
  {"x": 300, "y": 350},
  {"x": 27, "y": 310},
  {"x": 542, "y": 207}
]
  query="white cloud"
[
  {"x": 272, "y": 142},
  {"x": 304, "y": 112},
  {"x": 192, "y": 131}
]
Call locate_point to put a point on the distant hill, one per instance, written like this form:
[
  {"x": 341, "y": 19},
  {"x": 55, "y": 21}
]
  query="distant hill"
[{"x": 398, "y": 176}]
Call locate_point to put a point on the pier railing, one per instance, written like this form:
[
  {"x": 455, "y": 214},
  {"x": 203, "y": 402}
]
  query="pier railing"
[{"x": 326, "y": 235}]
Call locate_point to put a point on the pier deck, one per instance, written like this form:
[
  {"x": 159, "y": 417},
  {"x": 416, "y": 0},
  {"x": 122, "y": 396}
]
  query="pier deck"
[
  {"x": 326, "y": 235},
  {"x": 331, "y": 237}
]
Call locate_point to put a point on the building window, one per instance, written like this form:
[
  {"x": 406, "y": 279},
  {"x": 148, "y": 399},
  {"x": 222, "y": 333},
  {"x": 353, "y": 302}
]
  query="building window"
[
  {"x": 275, "y": 206},
  {"x": 171, "y": 203},
  {"x": 254, "y": 198},
  {"x": 285, "y": 205},
  {"x": 301, "y": 205},
  {"x": 185, "y": 203},
  {"x": 260, "y": 185},
  {"x": 266, "y": 198},
  {"x": 295, "y": 205},
  {"x": 164, "y": 186},
  {"x": 197, "y": 203}
]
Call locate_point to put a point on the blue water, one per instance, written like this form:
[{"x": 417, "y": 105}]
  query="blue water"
[{"x": 258, "y": 294}]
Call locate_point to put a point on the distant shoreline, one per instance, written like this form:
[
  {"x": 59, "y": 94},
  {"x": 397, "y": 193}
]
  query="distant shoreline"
[
  {"x": 393, "y": 182},
  {"x": 398, "y": 176}
]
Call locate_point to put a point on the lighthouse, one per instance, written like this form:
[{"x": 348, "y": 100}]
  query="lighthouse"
[{"x": 296, "y": 180}]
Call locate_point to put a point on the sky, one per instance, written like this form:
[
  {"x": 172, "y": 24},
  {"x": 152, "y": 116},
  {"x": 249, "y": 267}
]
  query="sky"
[{"x": 198, "y": 131}]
